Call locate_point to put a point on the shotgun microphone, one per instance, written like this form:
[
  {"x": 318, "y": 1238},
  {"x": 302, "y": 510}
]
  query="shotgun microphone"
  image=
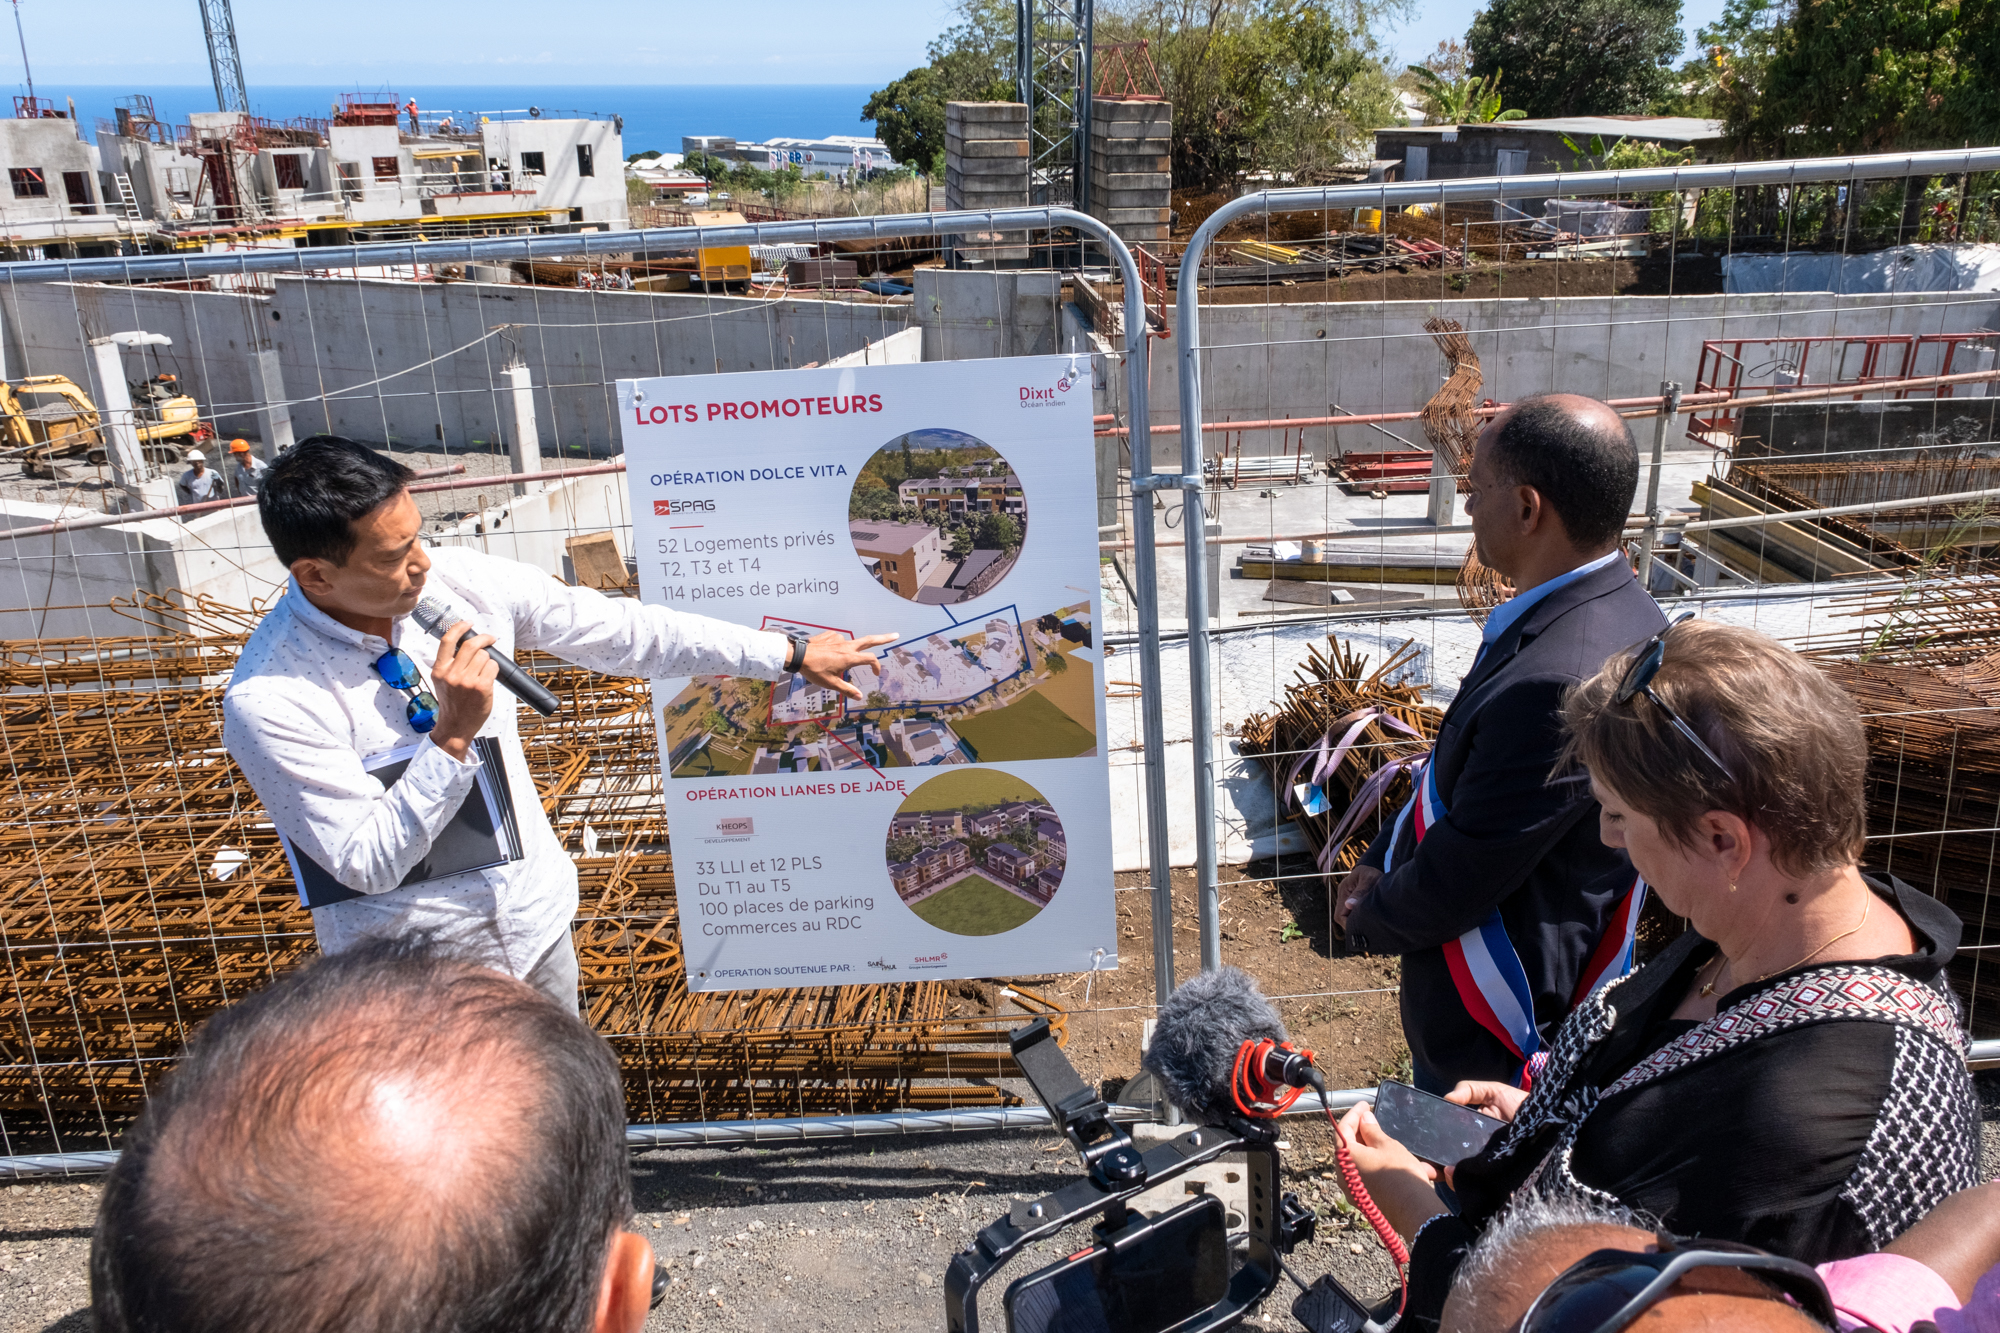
[
  {"x": 437, "y": 615},
  {"x": 1220, "y": 1047}
]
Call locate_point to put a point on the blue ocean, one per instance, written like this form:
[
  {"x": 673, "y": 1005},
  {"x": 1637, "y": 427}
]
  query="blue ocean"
[{"x": 656, "y": 115}]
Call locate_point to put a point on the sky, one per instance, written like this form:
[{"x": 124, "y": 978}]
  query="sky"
[{"x": 371, "y": 42}]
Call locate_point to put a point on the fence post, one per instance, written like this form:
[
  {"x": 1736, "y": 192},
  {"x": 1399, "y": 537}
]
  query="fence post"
[{"x": 1670, "y": 403}]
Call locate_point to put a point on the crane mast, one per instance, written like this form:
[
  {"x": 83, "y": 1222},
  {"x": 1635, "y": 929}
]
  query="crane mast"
[{"x": 225, "y": 63}]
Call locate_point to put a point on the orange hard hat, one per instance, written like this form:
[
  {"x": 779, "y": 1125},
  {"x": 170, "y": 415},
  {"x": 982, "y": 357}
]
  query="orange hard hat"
[{"x": 239, "y": 446}]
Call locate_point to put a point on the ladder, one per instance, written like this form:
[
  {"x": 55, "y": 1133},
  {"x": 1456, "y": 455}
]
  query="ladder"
[{"x": 126, "y": 199}]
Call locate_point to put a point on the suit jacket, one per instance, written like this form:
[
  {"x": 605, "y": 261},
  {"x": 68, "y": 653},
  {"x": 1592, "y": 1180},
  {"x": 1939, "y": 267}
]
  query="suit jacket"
[{"x": 1512, "y": 837}]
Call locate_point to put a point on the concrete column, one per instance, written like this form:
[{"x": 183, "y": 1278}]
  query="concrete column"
[
  {"x": 275, "y": 415},
  {"x": 129, "y": 469},
  {"x": 1443, "y": 510},
  {"x": 523, "y": 443}
]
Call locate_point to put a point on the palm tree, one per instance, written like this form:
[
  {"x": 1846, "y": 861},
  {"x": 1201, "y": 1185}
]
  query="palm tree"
[{"x": 1472, "y": 100}]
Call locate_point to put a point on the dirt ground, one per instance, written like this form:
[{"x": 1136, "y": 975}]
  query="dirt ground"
[{"x": 1343, "y": 1008}]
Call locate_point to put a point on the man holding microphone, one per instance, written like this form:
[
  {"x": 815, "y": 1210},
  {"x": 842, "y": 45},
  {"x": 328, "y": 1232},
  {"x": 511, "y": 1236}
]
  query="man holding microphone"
[{"x": 329, "y": 681}]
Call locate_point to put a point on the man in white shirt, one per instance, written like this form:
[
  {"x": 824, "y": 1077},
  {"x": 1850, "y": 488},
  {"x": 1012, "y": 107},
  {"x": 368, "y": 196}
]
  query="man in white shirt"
[
  {"x": 308, "y": 704},
  {"x": 199, "y": 483}
]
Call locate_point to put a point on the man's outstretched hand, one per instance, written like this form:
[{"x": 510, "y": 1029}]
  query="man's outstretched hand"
[{"x": 830, "y": 656}]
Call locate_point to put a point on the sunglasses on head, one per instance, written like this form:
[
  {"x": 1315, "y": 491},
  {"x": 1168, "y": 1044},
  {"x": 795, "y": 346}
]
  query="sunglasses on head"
[
  {"x": 1607, "y": 1290},
  {"x": 396, "y": 668},
  {"x": 1639, "y": 680}
]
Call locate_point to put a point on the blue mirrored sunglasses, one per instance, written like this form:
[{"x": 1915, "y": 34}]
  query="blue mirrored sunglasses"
[{"x": 399, "y": 672}]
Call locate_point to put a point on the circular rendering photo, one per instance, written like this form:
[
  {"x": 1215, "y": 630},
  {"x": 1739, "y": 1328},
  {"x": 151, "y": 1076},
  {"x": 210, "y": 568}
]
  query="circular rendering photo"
[
  {"x": 976, "y": 852},
  {"x": 937, "y": 516}
]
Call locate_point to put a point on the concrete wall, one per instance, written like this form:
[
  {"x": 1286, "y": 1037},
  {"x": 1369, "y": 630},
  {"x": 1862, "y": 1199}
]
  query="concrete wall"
[
  {"x": 62, "y": 585},
  {"x": 47, "y": 327},
  {"x": 969, "y": 314},
  {"x": 342, "y": 334},
  {"x": 336, "y": 338},
  {"x": 1265, "y": 361}
]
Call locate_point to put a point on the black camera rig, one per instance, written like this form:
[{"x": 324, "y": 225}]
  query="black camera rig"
[{"x": 1225, "y": 1287}]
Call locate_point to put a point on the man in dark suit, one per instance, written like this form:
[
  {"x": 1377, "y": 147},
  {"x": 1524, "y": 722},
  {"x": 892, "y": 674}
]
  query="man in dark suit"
[{"x": 1492, "y": 883}]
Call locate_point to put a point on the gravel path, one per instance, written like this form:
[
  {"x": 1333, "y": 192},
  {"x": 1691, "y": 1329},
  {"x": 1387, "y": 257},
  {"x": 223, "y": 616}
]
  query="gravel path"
[{"x": 834, "y": 1237}]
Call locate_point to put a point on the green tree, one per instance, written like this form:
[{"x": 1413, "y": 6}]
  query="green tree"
[
  {"x": 1296, "y": 86},
  {"x": 714, "y": 721},
  {"x": 997, "y": 532},
  {"x": 970, "y": 62},
  {"x": 1057, "y": 663},
  {"x": 1022, "y": 836},
  {"x": 1726, "y": 80},
  {"x": 961, "y": 543},
  {"x": 902, "y": 849},
  {"x": 1858, "y": 76},
  {"x": 1578, "y": 57}
]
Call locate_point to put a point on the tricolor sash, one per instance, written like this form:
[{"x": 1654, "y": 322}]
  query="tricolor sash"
[{"x": 1484, "y": 965}]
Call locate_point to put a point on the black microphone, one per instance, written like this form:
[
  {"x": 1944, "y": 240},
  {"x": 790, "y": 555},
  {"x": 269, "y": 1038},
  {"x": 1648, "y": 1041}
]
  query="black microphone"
[
  {"x": 437, "y": 615},
  {"x": 1202, "y": 1029}
]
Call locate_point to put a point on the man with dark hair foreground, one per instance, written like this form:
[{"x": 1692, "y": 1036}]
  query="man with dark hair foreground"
[
  {"x": 390, "y": 1140},
  {"x": 1492, "y": 883},
  {"x": 330, "y": 681}
]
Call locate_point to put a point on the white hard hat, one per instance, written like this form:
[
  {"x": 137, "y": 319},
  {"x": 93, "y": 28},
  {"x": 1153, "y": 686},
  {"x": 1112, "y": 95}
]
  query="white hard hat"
[{"x": 196, "y": 456}]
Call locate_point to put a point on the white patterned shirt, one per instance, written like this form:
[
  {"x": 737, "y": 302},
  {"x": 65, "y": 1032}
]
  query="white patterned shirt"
[{"x": 306, "y": 706}]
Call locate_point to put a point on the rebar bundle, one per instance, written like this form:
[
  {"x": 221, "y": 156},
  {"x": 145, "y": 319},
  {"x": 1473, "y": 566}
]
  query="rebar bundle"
[
  {"x": 1335, "y": 697},
  {"x": 1453, "y": 430},
  {"x": 142, "y": 888},
  {"x": 1448, "y": 418}
]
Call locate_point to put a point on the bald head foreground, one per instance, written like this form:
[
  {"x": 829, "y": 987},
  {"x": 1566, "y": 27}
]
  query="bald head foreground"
[
  {"x": 1533, "y": 1244},
  {"x": 388, "y": 1140},
  {"x": 1551, "y": 483}
]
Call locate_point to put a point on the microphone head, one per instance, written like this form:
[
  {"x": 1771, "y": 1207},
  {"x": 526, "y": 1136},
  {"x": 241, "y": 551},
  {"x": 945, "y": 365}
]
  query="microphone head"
[
  {"x": 436, "y": 614},
  {"x": 1201, "y": 1027}
]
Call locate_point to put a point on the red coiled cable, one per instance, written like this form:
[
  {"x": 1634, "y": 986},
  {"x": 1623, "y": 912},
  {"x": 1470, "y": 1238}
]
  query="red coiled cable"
[{"x": 1258, "y": 1099}]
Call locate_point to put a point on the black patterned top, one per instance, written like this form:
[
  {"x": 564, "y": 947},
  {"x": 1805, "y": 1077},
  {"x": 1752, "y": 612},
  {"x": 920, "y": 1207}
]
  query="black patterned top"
[{"x": 1818, "y": 1114}]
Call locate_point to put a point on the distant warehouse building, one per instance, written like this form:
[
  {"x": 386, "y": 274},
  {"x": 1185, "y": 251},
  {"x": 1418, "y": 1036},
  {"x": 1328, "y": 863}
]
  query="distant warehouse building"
[{"x": 843, "y": 155}]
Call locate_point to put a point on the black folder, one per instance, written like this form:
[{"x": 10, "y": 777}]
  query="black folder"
[{"x": 482, "y": 834}]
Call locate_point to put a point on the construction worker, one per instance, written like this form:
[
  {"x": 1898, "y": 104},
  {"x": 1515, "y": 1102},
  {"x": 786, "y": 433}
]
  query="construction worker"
[
  {"x": 246, "y": 470},
  {"x": 411, "y": 107},
  {"x": 198, "y": 483}
]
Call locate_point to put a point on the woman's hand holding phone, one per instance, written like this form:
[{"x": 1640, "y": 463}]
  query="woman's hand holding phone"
[{"x": 1498, "y": 1100}]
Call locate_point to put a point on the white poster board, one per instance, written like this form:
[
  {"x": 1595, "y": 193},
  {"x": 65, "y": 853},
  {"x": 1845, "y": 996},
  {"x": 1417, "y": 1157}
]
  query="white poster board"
[{"x": 957, "y": 822}]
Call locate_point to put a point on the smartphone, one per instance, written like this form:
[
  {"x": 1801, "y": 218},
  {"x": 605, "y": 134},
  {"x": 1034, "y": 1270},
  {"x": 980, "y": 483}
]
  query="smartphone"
[
  {"x": 1156, "y": 1274},
  {"x": 1431, "y": 1127}
]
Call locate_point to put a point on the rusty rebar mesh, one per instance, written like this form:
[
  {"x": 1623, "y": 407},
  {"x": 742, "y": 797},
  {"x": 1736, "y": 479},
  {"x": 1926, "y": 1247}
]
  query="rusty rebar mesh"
[
  {"x": 1934, "y": 796},
  {"x": 141, "y": 889}
]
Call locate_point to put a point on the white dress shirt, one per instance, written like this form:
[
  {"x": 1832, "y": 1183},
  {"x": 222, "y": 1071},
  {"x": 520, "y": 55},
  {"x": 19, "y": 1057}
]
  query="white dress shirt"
[{"x": 306, "y": 706}]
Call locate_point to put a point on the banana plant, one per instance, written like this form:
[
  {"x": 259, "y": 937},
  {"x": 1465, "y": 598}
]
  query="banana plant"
[{"x": 1472, "y": 100}]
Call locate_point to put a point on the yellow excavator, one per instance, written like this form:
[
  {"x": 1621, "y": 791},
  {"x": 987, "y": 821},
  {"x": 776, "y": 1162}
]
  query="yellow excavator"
[{"x": 47, "y": 419}]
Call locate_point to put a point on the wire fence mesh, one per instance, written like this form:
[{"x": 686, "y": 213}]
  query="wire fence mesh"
[{"x": 141, "y": 887}]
